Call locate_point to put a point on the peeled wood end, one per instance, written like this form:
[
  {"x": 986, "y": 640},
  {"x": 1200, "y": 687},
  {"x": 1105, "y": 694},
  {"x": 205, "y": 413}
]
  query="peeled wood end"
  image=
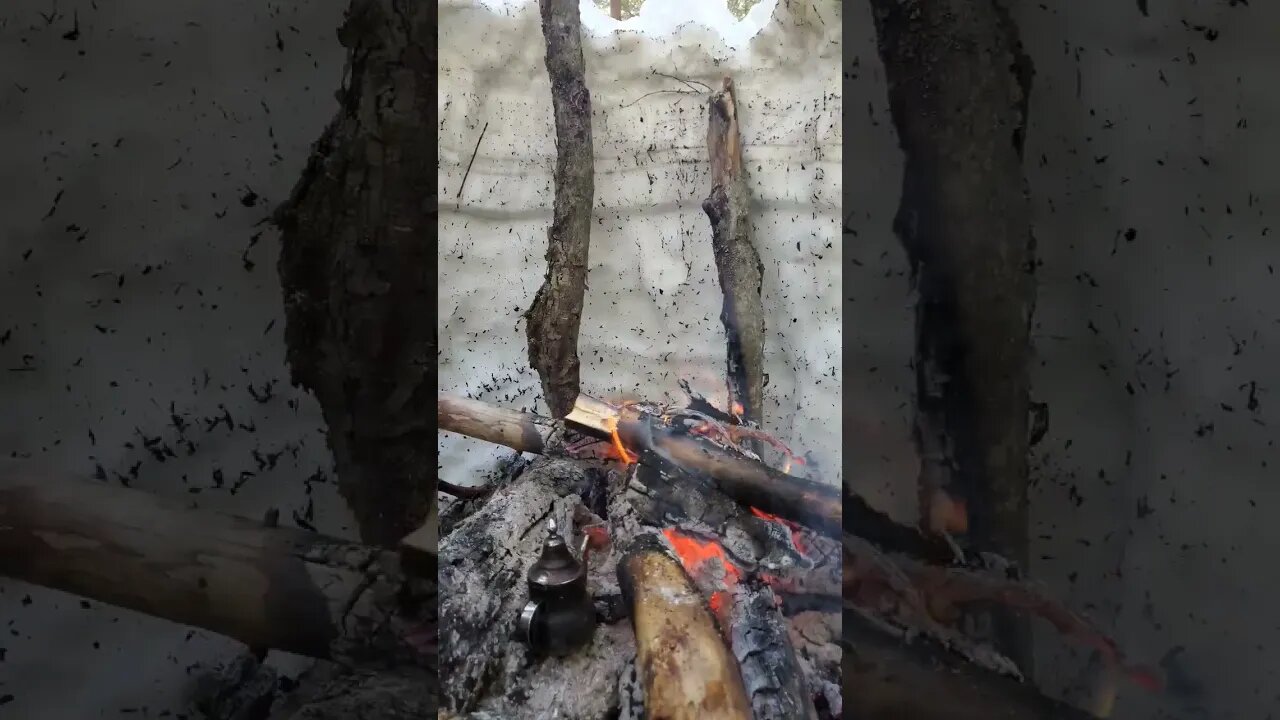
[{"x": 685, "y": 666}]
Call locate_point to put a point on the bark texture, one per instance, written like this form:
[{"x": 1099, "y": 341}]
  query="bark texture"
[
  {"x": 358, "y": 236},
  {"x": 770, "y": 669},
  {"x": 737, "y": 261},
  {"x": 552, "y": 321},
  {"x": 273, "y": 588},
  {"x": 958, "y": 89}
]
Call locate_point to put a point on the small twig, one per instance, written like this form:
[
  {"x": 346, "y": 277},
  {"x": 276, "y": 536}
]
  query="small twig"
[
  {"x": 661, "y": 92},
  {"x": 473, "y": 159},
  {"x": 462, "y": 491},
  {"x": 682, "y": 80}
]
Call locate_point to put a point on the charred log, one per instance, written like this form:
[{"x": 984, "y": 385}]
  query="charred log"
[
  {"x": 356, "y": 268},
  {"x": 741, "y": 273},
  {"x": 889, "y": 676},
  {"x": 687, "y": 671},
  {"x": 277, "y": 588},
  {"x": 958, "y": 89},
  {"x": 552, "y": 321},
  {"x": 770, "y": 669}
]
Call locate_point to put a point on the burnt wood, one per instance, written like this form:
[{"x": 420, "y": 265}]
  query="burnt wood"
[
  {"x": 959, "y": 84},
  {"x": 728, "y": 207},
  {"x": 891, "y": 677}
]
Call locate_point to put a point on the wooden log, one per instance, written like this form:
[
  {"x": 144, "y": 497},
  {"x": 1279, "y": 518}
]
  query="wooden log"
[
  {"x": 770, "y": 670},
  {"x": 687, "y": 671},
  {"x": 278, "y": 588},
  {"x": 517, "y": 430},
  {"x": 741, "y": 273},
  {"x": 958, "y": 89},
  {"x": 888, "y": 677},
  {"x": 749, "y": 482},
  {"x": 746, "y": 481},
  {"x": 553, "y": 320}
]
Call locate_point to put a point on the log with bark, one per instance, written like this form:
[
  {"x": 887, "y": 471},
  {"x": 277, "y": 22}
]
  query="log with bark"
[
  {"x": 552, "y": 321},
  {"x": 271, "y": 588},
  {"x": 746, "y": 480},
  {"x": 958, "y": 90},
  {"x": 741, "y": 273},
  {"x": 357, "y": 268}
]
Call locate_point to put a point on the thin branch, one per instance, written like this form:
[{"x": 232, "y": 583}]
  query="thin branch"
[{"x": 473, "y": 159}]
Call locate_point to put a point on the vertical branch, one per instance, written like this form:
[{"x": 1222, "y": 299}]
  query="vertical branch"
[
  {"x": 741, "y": 273},
  {"x": 356, "y": 269},
  {"x": 552, "y": 321},
  {"x": 958, "y": 87}
]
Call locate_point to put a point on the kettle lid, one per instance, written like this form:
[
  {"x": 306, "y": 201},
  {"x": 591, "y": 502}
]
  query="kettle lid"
[{"x": 557, "y": 565}]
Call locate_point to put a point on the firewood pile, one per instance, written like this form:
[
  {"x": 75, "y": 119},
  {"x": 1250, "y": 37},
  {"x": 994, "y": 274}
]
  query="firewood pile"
[{"x": 762, "y": 590}]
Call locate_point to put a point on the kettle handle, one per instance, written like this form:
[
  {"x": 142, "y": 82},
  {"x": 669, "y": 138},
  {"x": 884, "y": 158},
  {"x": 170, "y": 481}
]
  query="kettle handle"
[{"x": 524, "y": 625}]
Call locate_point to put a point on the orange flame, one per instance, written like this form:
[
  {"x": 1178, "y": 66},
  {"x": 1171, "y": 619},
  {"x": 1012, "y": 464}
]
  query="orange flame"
[
  {"x": 736, "y": 409},
  {"x": 797, "y": 538},
  {"x": 621, "y": 451}
]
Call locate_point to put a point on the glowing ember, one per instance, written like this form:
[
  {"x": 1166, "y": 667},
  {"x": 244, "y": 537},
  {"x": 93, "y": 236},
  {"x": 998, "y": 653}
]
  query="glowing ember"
[
  {"x": 948, "y": 514},
  {"x": 695, "y": 553},
  {"x": 737, "y": 409},
  {"x": 797, "y": 538}
]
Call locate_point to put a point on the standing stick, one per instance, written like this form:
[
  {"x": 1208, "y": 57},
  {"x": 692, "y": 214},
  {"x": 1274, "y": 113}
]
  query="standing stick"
[
  {"x": 553, "y": 320},
  {"x": 741, "y": 273},
  {"x": 958, "y": 89}
]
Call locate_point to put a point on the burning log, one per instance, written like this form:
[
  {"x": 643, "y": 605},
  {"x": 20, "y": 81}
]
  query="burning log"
[
  {"x": 748, "y": 611},
  {"x": 686, "y": 670},
  {"x": 741, "y": 272},
  {"x": 552, "y": 321},
  {"x": 277, "y": 588},
  {"x": 745, "y": 480}
]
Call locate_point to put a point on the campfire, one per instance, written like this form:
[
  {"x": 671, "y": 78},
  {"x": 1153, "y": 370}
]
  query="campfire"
[{"x": 693, "y": 538}]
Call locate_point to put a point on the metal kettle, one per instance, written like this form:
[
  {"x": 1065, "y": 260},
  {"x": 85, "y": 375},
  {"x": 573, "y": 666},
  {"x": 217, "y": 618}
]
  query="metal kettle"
[{"x": 560, "y": 616}]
